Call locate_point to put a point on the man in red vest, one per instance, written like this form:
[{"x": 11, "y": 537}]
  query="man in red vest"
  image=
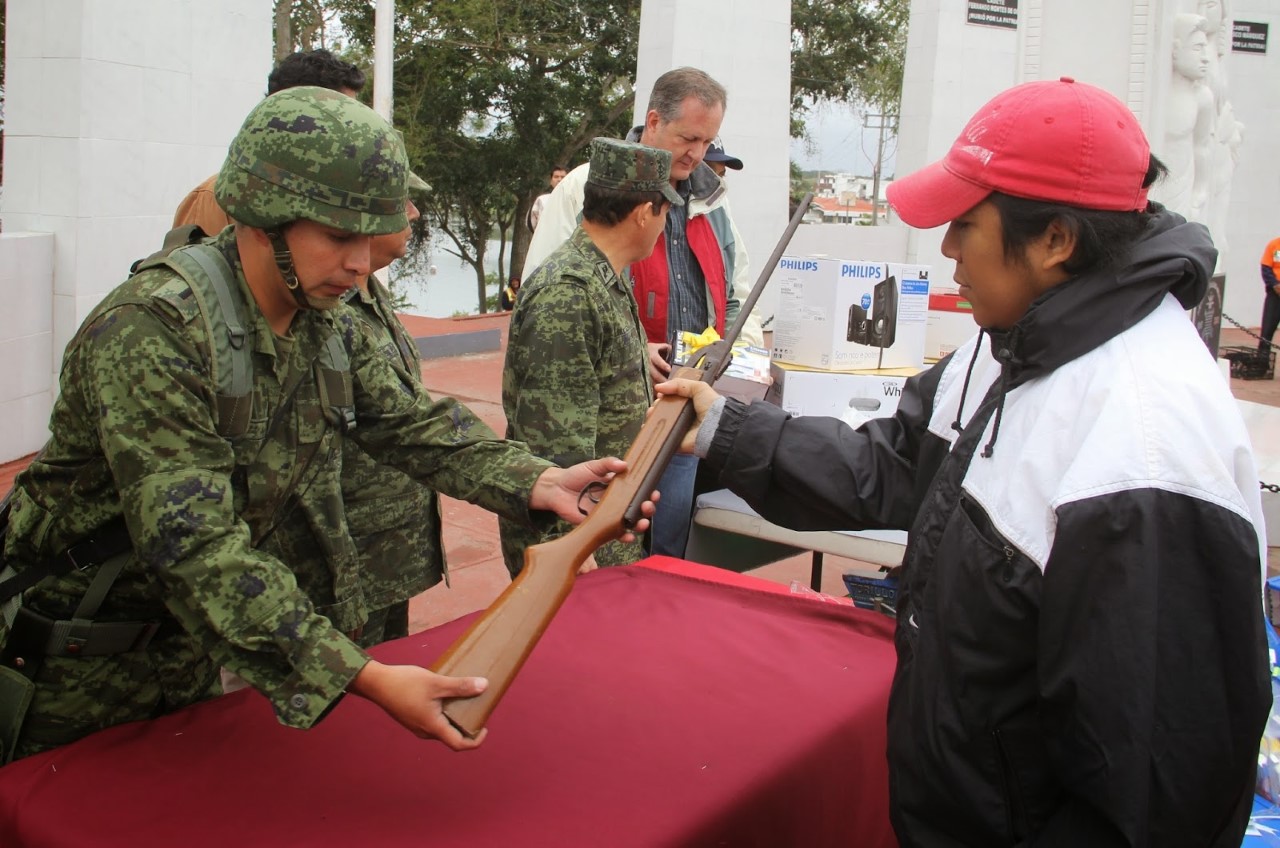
[{"x": 697, "y": 275}]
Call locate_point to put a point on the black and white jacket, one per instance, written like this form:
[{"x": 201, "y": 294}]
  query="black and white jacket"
[{"x": 1081, "y": 654}]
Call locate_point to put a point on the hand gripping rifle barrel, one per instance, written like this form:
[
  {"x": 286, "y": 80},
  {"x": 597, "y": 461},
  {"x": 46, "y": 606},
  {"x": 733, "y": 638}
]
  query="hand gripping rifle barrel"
[{"x": 498, "y": 642}]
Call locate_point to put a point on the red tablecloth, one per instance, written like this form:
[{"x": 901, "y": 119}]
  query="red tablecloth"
[{"x": 659, "y": 709}]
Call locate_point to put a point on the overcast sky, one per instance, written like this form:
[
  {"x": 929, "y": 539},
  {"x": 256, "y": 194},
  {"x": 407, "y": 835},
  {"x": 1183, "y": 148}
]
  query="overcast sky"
[{"x": 839, "y": 143}]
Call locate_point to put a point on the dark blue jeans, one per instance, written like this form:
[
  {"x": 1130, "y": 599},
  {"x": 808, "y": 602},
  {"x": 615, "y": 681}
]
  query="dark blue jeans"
[
  {"x": 670, "y": 532},
  {"x": 1270, "y": 316}
]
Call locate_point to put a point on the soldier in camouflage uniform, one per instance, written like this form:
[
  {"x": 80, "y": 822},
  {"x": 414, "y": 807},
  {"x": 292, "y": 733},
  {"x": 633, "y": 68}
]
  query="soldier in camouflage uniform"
[
  {"x": 394, "y": 522},
  {"x": 236, "y": 551},
  {"x": 575, "y": 382}
]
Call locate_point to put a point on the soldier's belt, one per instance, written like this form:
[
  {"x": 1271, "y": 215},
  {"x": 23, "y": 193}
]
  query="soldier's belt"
[{"x": 36, "y": 636}]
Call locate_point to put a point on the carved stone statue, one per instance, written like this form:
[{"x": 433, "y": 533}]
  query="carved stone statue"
[
  {"x": 1189, "y": 114},
  {"x": 1228, "y": 133}
]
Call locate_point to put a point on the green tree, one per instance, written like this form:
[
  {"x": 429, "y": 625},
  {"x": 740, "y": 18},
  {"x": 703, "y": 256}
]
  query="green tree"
[
  {"x": 301, "y": 25},
  {"x": 849, "y": 52}
]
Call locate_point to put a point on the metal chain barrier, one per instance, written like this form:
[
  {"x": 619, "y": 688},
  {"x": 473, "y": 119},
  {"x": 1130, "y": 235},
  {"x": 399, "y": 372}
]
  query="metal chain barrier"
[{"x": 1247, "y": 331}]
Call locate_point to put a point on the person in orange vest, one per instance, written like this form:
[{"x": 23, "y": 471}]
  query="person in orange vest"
[{"x": 1271, "y": 299}]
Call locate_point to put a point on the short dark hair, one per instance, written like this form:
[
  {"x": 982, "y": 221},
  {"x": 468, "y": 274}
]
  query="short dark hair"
[
  {"x": 609, "y": 206},
  {"x": 1103, "y": 238},
  {"x": 555, "y": 168},
  {"x": 673, "y": 88},
  {"x": 314, "y": 67}
]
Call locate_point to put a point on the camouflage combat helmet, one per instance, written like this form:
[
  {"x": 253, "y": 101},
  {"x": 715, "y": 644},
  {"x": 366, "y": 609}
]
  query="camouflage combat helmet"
[{"x": 312, "y": 153}]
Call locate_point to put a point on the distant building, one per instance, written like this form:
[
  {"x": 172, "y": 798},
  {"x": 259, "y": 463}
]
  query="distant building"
[
  {"x": 846, "y": 209},
  {"x": 842, "y": 184}
]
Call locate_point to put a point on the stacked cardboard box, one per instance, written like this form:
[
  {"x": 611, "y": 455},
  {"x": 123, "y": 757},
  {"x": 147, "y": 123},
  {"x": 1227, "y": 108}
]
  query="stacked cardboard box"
[{"x": 853, "y": 396}]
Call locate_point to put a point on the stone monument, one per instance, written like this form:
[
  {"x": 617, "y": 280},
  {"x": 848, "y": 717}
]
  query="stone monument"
[{"x": 1187, "y": 146}]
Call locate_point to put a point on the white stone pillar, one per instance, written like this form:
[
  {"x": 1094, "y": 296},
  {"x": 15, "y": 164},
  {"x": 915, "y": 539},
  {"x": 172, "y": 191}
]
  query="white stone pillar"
[
  {"x": 113, "y": 111},
  {"x": 746, "y": 47}
]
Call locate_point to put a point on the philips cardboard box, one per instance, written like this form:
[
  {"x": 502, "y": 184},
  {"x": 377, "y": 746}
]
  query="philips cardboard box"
[
  {"x": 854, "y": 397},
  {"x": 950, "y": 324},
  {"x": 846, "y": 315}
]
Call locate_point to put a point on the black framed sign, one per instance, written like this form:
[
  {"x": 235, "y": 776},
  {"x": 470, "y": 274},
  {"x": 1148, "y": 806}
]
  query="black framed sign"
[
  {"x": 1207, "y": 316},
  {"x": 993, "y": 13},
  {"x": 1249, "y": 37}
]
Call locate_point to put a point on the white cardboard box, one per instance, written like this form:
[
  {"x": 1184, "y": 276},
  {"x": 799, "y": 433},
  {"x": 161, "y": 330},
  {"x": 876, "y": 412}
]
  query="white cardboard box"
[
  {"x": 852, "y": 396},
  {"x": 846, "y": 315},
  {"x": 950, "y": 324}
]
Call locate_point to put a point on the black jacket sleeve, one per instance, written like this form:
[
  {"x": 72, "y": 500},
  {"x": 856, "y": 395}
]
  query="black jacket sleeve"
[
  {"x": 1269, "y": 280},
  {"x": 814, "y": 473},
  {"x": 1153, "y": 671}
]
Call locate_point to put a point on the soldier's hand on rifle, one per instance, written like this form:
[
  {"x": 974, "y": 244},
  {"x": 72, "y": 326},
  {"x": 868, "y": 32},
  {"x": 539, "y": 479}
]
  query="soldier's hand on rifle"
[
  {"x": 560, "y": 490},
  {"x": 659, "y": 367},
  {"x": 702, "y": 395},
  {"x": 415, "y": 697}
]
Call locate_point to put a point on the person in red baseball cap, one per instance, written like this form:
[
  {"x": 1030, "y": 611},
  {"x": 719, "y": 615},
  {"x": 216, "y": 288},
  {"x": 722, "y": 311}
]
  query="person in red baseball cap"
[{"x": 1081, "y": 652}]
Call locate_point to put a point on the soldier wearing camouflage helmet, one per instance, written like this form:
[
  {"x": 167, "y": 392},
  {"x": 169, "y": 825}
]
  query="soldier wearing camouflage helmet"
[
  {"x": 575, "y": 381},
  {"x": 172, "y": 526}
]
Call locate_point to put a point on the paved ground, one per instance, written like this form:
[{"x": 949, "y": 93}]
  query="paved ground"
[{"x": 477, "y": 574}]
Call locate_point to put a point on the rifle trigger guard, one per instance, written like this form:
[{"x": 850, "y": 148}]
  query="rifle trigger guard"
[
  {"x": 709, "y": 354},
  {"x": 590, "y": 492}
]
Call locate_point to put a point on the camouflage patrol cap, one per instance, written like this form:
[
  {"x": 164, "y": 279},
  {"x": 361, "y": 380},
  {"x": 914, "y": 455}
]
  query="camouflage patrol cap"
[
  {"x": 626, "y": 166},
  {"x": 418, "y": 184},
  {"x": 312, "y": 153}
]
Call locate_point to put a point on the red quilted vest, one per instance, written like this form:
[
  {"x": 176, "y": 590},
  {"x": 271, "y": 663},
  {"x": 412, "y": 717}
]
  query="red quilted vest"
[{"x": 649, "y": 279}]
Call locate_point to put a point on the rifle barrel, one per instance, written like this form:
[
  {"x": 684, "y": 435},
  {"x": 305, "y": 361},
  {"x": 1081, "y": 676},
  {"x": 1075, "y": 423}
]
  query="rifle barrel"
[{"x": 717, "y": 366}]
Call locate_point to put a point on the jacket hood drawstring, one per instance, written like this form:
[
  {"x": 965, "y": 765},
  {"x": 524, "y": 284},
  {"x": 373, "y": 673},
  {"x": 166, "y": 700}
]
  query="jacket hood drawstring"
[
  {"x": 968, "y": 375},
  {"x": 1007, "y": 361},
  {"x": 1002, "y": 393}
]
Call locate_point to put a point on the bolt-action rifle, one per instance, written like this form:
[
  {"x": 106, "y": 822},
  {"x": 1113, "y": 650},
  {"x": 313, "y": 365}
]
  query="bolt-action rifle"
[{"x": 497, "y": 643}]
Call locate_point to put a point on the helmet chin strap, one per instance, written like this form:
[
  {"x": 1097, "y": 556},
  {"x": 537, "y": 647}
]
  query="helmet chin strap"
[{"x": 284, "y": 262}]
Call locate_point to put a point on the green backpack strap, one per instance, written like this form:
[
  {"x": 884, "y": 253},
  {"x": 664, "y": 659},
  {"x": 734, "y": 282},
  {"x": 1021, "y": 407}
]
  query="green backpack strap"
[
  {"x": 232, "y": 360},
  {"x": 212, "y": 281},
  {"x": 181, "y": 237},
  {"x": 333, "y": 377}
]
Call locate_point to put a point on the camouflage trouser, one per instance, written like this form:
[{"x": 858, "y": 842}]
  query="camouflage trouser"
[
  {"x": 75, "y": 696},
  {"x": 384, "y": 625}
]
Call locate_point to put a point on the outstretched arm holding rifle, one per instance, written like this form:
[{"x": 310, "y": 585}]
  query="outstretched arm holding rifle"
[{"x": 501, "y": 639}]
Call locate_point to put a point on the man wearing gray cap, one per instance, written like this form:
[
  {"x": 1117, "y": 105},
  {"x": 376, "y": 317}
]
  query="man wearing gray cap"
[{"x": 575, "y": 379}]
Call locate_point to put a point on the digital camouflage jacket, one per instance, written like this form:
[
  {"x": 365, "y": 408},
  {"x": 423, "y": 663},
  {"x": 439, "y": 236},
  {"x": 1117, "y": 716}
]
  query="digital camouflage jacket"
[
  {"x": 241, "y": 551},
  {"x": 394, "y": 521},
  {"x": 575, "y": 384}
]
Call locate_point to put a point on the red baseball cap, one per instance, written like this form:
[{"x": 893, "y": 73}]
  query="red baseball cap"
[{"x": 1056, "y": 140}]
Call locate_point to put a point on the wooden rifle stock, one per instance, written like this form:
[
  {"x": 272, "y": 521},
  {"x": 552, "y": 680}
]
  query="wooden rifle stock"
[
  {"x": 497, "y": 643},
  {"x": 501, "y": 639}
]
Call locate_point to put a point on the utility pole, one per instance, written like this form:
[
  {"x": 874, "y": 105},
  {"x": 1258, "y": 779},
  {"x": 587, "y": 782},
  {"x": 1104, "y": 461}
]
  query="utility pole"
[
  {"x": 384, "y": 48},
  {"x": 383, "y": 55},
  {"x": 882, "y": 123}
]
